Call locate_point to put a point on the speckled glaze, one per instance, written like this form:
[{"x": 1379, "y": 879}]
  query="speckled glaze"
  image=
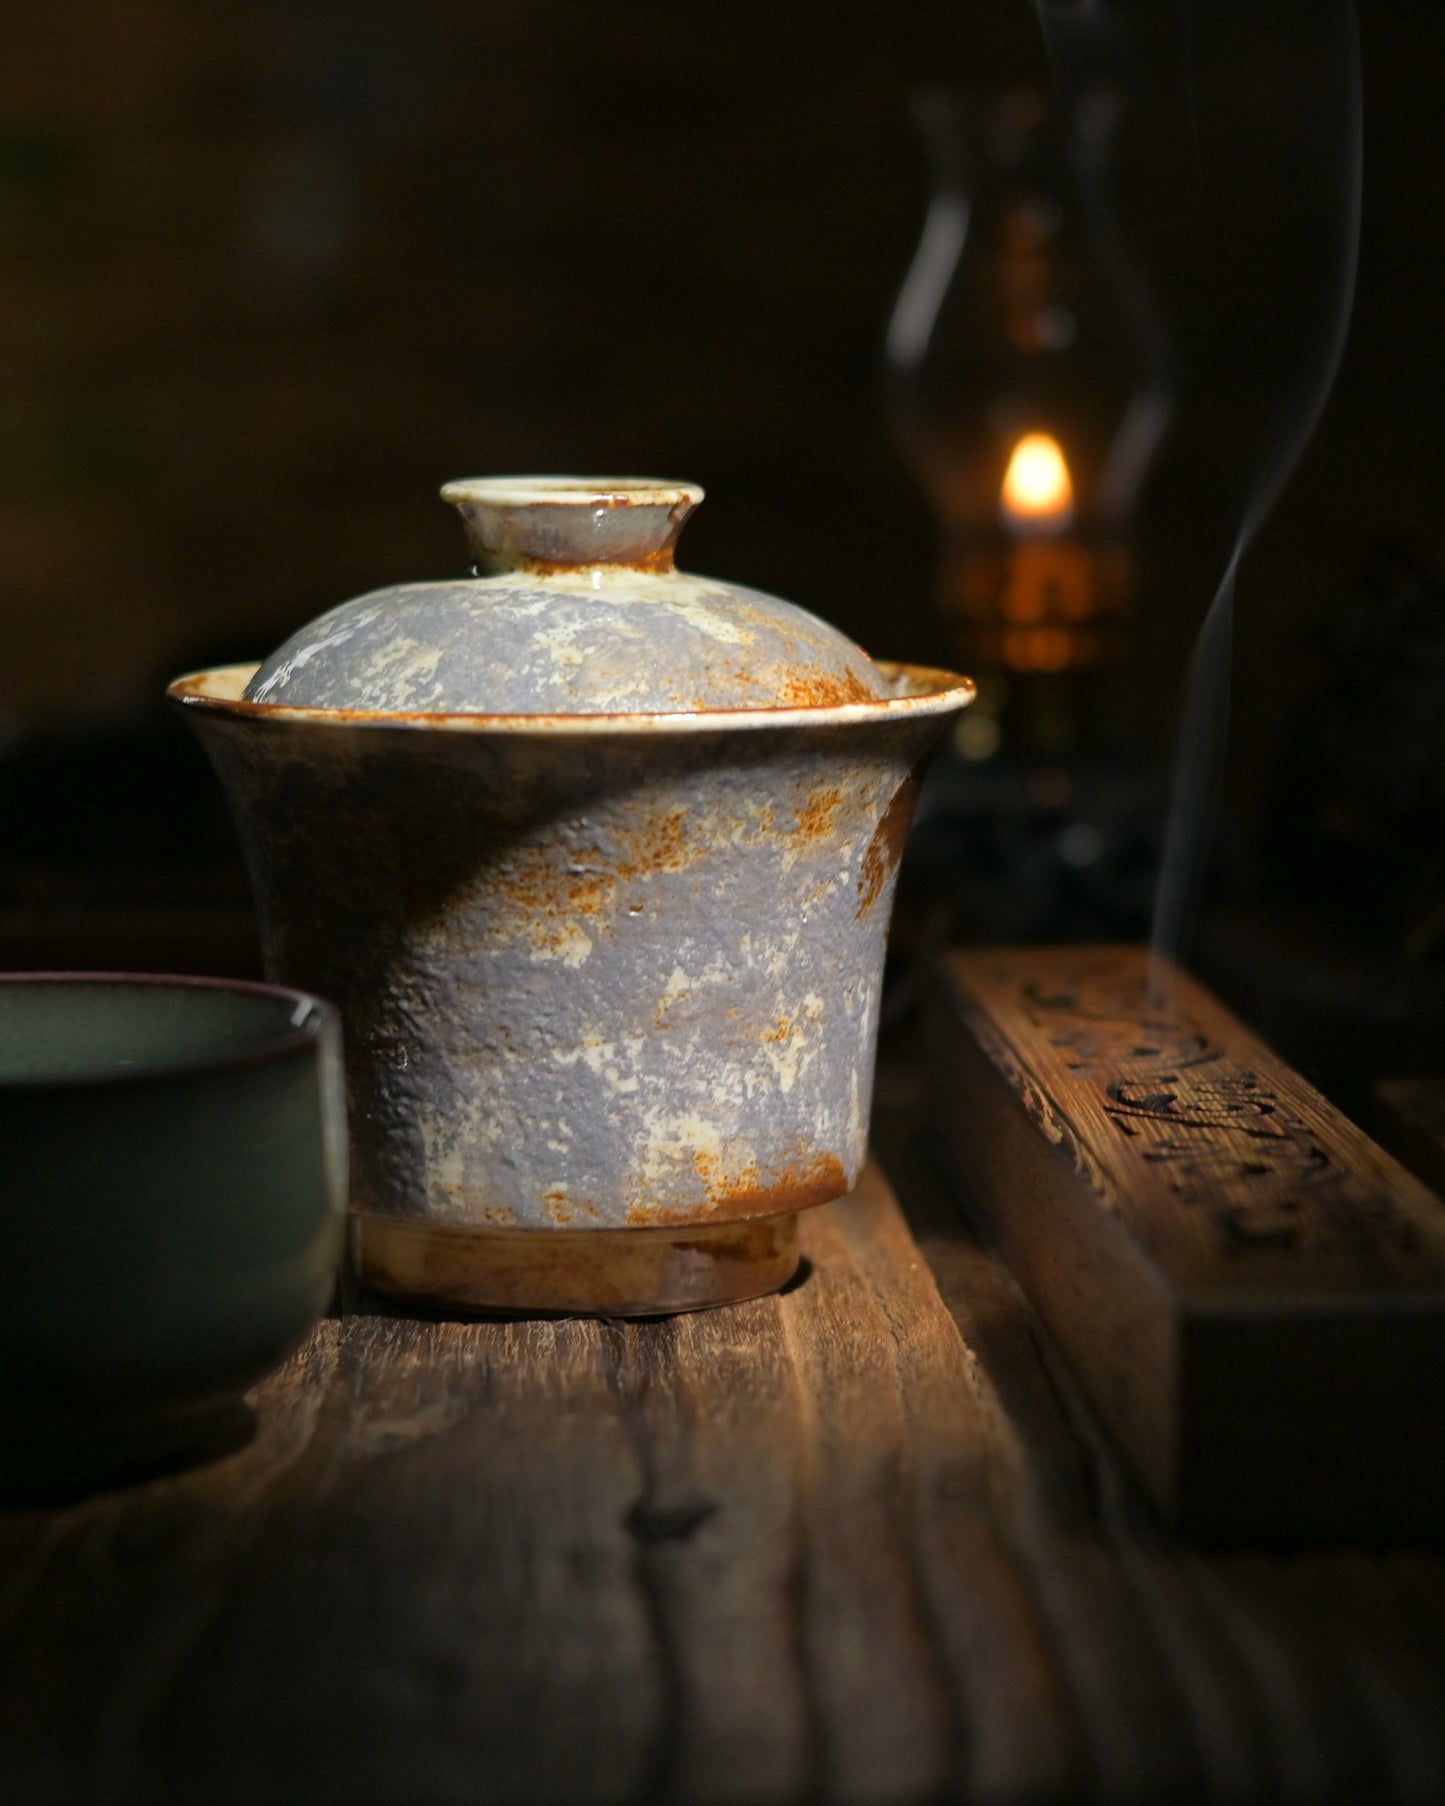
[
  {"x": 600, "y": 971},
  {"x": 580, "y": 611}
]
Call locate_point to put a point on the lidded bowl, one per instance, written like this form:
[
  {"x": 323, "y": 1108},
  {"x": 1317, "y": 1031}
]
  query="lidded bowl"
[{"x": 597, "y": 858}]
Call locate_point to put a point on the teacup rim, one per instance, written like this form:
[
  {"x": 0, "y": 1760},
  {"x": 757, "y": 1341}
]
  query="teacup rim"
[{"x": 320, "y": 1023}]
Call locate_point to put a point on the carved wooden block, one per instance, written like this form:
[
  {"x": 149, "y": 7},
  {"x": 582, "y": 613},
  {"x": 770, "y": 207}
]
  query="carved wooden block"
[{"x": 1251, "y": 1292}]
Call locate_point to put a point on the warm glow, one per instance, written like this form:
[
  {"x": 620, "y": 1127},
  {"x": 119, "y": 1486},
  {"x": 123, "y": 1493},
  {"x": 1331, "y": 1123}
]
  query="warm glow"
[{"x": 1038, "y": 495}]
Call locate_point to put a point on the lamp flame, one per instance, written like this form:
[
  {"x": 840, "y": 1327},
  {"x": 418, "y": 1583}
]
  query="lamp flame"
[{"x": 1038, "y": 492}]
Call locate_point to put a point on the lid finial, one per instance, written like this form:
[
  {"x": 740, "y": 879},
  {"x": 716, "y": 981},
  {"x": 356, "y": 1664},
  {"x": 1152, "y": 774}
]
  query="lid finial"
[{"x": 562, "y": 523}]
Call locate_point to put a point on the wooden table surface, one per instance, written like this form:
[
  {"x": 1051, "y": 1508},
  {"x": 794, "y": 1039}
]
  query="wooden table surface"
[{"x": 858, "y": 1542}]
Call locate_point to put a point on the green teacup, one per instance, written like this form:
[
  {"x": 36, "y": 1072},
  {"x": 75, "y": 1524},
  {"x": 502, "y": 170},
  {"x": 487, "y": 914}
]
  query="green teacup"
[{"x": 172, "y": 1201}]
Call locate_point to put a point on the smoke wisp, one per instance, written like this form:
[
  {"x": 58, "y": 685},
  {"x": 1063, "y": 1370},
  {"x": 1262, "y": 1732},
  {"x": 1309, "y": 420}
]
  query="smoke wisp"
[{"x": 1261, "y": 106}]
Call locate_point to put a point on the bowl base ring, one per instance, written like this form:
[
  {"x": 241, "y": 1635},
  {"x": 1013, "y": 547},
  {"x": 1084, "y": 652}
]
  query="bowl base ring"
[{"x": 574, "y": 1272}]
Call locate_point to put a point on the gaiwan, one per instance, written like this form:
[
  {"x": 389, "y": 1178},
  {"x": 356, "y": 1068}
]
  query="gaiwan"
[{"x": 597, "y": 859}]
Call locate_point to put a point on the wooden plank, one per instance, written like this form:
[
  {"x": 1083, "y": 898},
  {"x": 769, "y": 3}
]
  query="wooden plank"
[
  {"x": 1251, "y": 1292},
  {"x": 854, "y": 1543},
  {"x": 379, "y": 1594},
  {"x": 537, "y": 1560}
]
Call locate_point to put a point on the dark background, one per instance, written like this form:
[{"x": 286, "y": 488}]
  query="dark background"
[{"x": 269, "y": 274}]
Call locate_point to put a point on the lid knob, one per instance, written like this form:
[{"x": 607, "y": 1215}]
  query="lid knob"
[{"x": 565, "y": 523}]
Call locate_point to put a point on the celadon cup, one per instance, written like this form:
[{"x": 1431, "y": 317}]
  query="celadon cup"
[{"x": 173, "y": 1193}]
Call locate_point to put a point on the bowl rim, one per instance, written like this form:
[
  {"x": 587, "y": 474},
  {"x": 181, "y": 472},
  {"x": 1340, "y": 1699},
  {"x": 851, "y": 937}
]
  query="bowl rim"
[
  {"x": 935, "y": 692},
  {"x": 314, "y": 1023}
]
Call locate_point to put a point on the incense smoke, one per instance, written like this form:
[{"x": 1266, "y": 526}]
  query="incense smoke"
[{"x": 1287, "y": 198}]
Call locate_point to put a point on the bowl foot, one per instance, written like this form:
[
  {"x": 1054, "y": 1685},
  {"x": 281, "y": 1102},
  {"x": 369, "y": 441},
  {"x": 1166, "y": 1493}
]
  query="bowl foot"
[{"x": 574, "y": 1272}]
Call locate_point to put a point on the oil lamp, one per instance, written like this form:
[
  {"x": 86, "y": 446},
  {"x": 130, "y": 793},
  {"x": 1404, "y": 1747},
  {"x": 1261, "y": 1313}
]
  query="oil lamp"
[{"x": 1029, "y": 388}]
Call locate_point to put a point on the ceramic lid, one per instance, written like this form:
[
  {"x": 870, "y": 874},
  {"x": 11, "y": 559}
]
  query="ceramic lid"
[{"x": 575, "y": 608}]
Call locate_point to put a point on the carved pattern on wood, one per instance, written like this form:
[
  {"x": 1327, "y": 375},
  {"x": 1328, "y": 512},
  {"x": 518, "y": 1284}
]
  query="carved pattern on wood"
[
  {"x": 1231, "y": 1146},
  {"x": 1251, "y": 1292}
]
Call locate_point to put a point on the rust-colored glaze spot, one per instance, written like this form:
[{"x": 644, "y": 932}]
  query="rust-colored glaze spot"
[
  {"x": 590, "y": 895},
  {"x": 567, "y": 1212},
  {"x": 534, "y": 884},
  {"x": 666, "y": 1004},
  {"x": 660, "y": 845},
  {"x": 818, "y": 816},
  {"x": 886, "y": 847},
  {"x": 497, "y": 1216},
  {"x": 816, "y": 690},
  {"x": 813, "y": 1182},
  {"x": 656, "y": 564}
]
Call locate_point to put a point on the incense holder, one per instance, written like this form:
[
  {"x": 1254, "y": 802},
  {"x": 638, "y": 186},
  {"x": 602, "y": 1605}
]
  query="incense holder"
[{"x": 597, "y": 860}]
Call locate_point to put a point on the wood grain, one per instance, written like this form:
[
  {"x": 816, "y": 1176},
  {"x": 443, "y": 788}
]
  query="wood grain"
[
  {"x": 859, "y": 1542},
  {"x": 1251, "y": 1290}
]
